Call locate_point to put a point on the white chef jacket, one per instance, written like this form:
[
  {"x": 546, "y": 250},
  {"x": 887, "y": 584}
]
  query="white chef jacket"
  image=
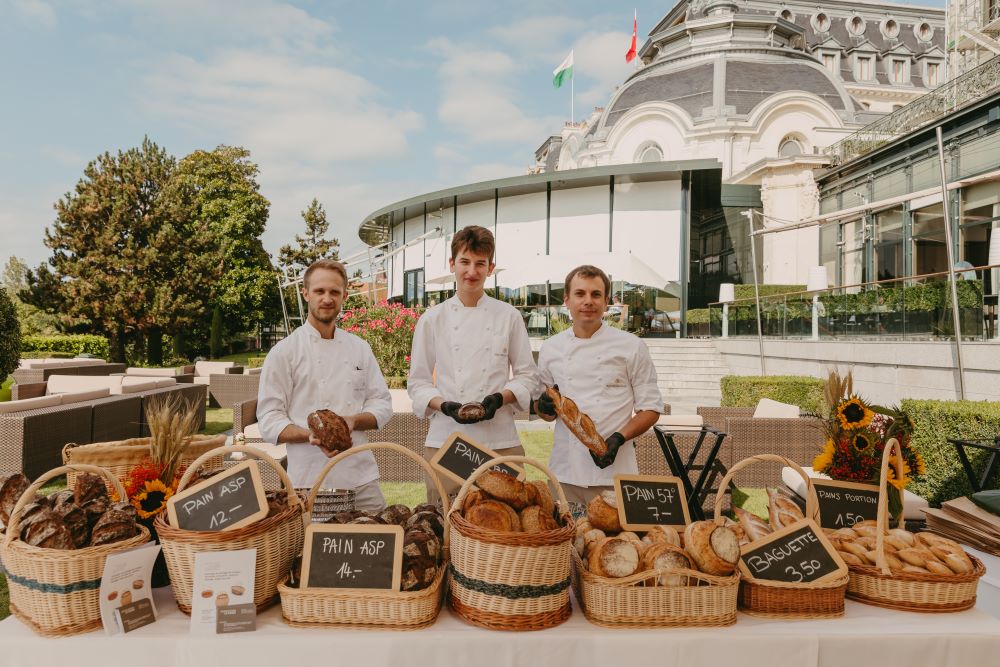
[
  {"x": 610, "y": 376},
  {"x": 305, "y": 372},
  {"x": 473, "y": 351}
]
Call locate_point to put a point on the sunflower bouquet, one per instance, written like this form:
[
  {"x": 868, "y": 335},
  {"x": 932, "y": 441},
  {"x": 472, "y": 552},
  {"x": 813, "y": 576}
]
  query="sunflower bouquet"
[
  {"x": 151, "y": 483},
  {"x": 857, "y": 433}
]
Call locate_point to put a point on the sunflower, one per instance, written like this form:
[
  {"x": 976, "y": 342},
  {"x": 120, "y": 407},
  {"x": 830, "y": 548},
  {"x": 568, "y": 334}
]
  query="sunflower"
[
  {"x": 901, "y": 482},
  {"x": 152, "y": 499},
  {"x": 864, "y": 441},
  {"x": 824, "y": 459},
  {"x": 853, "y": 414}
]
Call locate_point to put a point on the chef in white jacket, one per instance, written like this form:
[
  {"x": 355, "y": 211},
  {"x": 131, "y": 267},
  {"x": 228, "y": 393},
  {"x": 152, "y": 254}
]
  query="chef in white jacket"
[
  {"x": 610, "y": 375},
  {"x": 471, "y": 348},
  {"x": 321, "y": 366}
]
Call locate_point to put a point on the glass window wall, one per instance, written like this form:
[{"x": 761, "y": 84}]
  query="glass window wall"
[
  {"x": 930, "y": 253},
  {"x": 889, "y": 244}
]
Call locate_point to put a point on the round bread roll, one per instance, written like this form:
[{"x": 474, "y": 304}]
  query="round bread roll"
[
  {"x": 592, "y": 537},
  {"x": 614, "y": 557},
  {"x": 602, "y": 512},
  {"x": 473, "y": 497},
  {"x": 582, "y": 526},
  {"x": 494, "y": 515},
  {"x": 542, "y": 496},
  {"x": 667, "y": 534},
  {"x": 535, "y": 520},
  {"x": 663, "y": 556},
  {"x": 628, "y": 535},
  {"x": 715, "y": 549},
  {"x": 504, "y": 488}
]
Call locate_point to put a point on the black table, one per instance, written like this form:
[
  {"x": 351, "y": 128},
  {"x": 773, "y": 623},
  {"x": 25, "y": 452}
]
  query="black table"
[
  {"x": 710, "y": 469},
  {"x": 978, "y": 483}
]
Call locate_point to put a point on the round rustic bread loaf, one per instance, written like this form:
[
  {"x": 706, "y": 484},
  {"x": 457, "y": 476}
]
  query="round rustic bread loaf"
[
  {"x": 504, "y": 488},
  {"x": 473, "y": 411},
  {"x": 666, "y": 534},
  {"x": 88, "y": 487},
  {"x": 12, "y": 487},
  {"x": 46, "y": 529},
  {"x": 427, "y": 507},
  {"x": 396, "y": 515},
  {"x": 74, "y": 519},
  {"x": 663, "y": 556},
  {"x": 715, "y": 549},
  {"x": 330, "y": 429},
  {"x": 534, "y": 519},
  {"x": 429, "y": 520},
  {"x": 473, "y": 497},
  {"x": 602, "y": 512},
  {"x": 420, "y": 543},
  {"x": 542, "y": 496},
  {"x": 494, "y": 515},
  {"x": 95, "y": 509},
  {"x": 114, "y": 525},
  {"x": 614, "y": 557}
]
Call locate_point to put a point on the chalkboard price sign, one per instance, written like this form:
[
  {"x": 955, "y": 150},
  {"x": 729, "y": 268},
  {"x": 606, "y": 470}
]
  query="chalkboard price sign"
[
  {"x": 797, "y": 554},
  {"x": 229, "y": 500},
  {"x": 460, "y": 456},
  {"x": 843, "y": 504},
  {"x": 352, "y": 556},
  {"x": 647, "y": 501}
]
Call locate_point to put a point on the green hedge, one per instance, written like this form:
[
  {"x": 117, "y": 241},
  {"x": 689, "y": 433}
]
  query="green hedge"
[
  {"x": 934, "y": 423},
  {"x": 46, "y": 355},
  {"x": 746, "y": 291},
  {"x": 396, "y": 382},
  {"x": 747, "y": 390},
  {"x": 10, "y": 336},
  {"x": 74, "y": 344}
]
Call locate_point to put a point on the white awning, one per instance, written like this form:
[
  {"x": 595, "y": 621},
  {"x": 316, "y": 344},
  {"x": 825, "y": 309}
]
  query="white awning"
[{"x": 620, "y": 266}]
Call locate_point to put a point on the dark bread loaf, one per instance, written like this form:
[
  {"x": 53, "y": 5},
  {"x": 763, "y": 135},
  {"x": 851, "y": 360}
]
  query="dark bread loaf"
[
  {"x": 12, "y": 487},
  {"x": 95, "y": 509},
  {"x": 47, "y": 530},
  {"x": 330, "y": 429},
  {"x": 115, "y": 525},
  {"x": 427, "y": 507},
  {"x": 87, "y": 488},
  {"x": 472, "y": 411},
  {"x": 396, "y": 515},
  {"x": 421, "y": 559},
  {"x": 427, "y": 520},
  {"x": 74, "y": 518}
]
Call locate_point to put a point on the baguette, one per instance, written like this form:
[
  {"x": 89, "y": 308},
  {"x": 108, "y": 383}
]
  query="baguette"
[{"x": 578, "y": 423}]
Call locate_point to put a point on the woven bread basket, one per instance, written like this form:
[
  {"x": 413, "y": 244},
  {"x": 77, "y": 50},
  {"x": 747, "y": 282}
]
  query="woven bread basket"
[
  {"x": 55, "y": 592},
  {"x": 277, "y": 538},
  {"x": 365, "y": 609},
  {"x": 780, "y": 599},
  {"x": 505, "y": 580},
  {"x": 876, "y": 585}
]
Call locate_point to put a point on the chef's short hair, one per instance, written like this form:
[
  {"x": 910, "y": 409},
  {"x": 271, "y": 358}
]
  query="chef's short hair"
[
  {"x": 329, "y": 265},
  {"x": 475, "y": 239},
  {"x": 588, "y": 271}
]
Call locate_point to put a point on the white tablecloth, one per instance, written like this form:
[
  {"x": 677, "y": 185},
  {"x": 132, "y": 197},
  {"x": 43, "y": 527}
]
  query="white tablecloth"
[{"x": 864, "y": 636}]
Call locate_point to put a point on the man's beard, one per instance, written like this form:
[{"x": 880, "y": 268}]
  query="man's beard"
[{"x": 325, "y": 319}]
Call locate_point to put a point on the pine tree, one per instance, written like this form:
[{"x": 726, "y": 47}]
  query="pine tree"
[{"x": 313, "y": 245}]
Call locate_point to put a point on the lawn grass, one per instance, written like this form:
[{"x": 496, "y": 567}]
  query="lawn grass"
[
  {"x": 4, "y": 598},
  {"x": 217, "y": 420},
  {"x": 241, "y": 358}
]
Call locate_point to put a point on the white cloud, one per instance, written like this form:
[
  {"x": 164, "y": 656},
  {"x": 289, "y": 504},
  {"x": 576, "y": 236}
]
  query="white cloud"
[
  {"x": 34, "y": 11},
  {"x": 493, "y": 170},
  {"x": 600, "y": 57},
  {"x": 65, "y": 157}
]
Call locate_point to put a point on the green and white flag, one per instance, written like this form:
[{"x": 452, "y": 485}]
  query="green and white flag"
[{"x": 564, "y": 72}]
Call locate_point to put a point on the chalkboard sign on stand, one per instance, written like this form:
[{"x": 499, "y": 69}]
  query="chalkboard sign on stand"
[
  {"x": 647, "y": 501},
  {"x": 226, "y": 501},
  {"x": 460, "y": 455},
  {"x": 799, "y": 553},
  {"x": 351, "y": 556},
  {"x": 843, "y": 504}
]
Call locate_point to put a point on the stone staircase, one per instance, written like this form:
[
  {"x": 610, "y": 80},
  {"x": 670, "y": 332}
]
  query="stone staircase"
[{"x": 688, "y": 372}]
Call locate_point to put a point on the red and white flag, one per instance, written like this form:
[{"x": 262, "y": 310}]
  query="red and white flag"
[{"x": 630, "y": 56}]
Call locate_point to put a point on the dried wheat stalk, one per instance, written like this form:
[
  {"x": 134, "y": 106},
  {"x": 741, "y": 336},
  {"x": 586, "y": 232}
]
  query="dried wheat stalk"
[{"x": 172, "y": 421}]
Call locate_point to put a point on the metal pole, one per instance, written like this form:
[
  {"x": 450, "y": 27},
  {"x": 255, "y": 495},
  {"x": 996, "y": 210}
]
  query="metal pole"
[
  {"x": 284, "y": 310},
  {"x": 756, "y": 290},
  {"x": 298, "y": 293},
  {"x": 951, "y": 268}
]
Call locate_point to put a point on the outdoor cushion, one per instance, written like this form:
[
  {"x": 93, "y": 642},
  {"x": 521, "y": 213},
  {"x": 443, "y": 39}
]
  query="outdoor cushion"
[
  {"x": 198, "y": 379},
  {"x": 252, "y": 431},
  {"x": 768, "y": 408},
  {"x": 63, "y": 384},
  {"x": 151, "y": 372},
  {"x": 681, "y": 422},
  {"x": 29, "y": 404},
  {"x": 252, "y": 371},
  {"x": 135, "y": 386},
  {"x": 206, "y": 368},
  {"x": 77, "y": 396},
  {"x": 164, "y": 382},
  {"x": 86, "y": 361},
  {"x": 913, "y": 505}
]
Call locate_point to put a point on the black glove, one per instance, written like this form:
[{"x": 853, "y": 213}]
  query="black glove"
[
  {"x": 450, "y": 408},
  {"x": 492, "y": 403},
  {"x": 614, "y": 443},
  {"x": 544, "y": 405}
]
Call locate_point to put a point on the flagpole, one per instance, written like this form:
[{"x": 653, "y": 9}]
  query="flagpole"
[{"x": 572, "y": 109}]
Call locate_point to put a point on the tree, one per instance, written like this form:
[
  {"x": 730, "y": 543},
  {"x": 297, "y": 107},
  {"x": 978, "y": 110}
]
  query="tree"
[
  {"x": 34, "y": 321},
  {"x": 127, "y": 261},
  {"x": 313, "y": 245},
  {"x": 10, "y": 336},
  {"x": 223, "y": 190}
]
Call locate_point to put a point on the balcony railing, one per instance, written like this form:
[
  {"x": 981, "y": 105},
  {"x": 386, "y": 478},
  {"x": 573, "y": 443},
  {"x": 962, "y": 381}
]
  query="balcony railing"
[
  {"x": 916, "y": 308},
  {"x": 945, "y": 99}
]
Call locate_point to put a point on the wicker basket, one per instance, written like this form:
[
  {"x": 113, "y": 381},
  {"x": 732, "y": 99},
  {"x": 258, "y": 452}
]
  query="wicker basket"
[
  {"x": 779, "y": 599},
  {"x": 625, "y": 603},
  {"x": 510, "y": 581},
  {"x": 56, "y": 592},
  {"x": 277, "y": 538},
  {"x": 366, "y": 609},
  {"x": 876, "y": 585},
  {"x": 120, "y": 456}
]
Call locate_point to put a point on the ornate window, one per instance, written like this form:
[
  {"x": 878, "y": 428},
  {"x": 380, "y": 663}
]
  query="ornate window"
[
  {"x": 899, "y": 71},
  {"x": 821, "y": 22},
  {"x": 650, "y": 152},
  {"x": 787, "y": 14},
  {"x": 864, "y": 68},
  {"x": 924, "y": 31},
  {"x": 790, "y": 146},
  {"x": 932, "y": 74},
  {"x": 890, "y": 28},
  {"x": 830, "y": 62},
  {"x": 856, "y": 26}
]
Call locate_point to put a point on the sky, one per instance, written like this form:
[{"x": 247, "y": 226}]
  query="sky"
[{"x": 358, "y": 104}]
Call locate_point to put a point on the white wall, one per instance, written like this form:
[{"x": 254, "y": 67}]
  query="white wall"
[
  {"x": 520, "y": 233},
  {"x": 414, "y": 255},
  {"x": 396, "y": 264},
  {"x": 647, "y": 223},
  {"x": 579, "y": 220},
  {"x": 480, "y": 213}
]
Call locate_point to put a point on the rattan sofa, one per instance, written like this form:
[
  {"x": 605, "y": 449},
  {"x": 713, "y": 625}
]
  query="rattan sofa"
[
  {"x": 39, "y": 370},
  {"x": 227, "y": 389}
]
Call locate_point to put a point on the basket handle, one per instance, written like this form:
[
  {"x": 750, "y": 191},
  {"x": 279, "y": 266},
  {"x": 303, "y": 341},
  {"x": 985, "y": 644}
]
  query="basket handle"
[
  {"x": 392, "y": 446},
  {"x": 882, "y": 518},
  {"x": 29, "y": 493},
  {"x": 812, "y": 503},
  {"x": 658, "y": 572},
  {"x": 293, "y": 498},
  {"x": 65, "y": 451},
  {"x": 468, "y": 484}
]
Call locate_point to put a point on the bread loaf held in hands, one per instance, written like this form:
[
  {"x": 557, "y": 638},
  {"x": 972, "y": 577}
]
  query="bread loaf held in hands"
[
  {"x": 331, "y": 430},
  {"x": 578, "y": 423}
]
